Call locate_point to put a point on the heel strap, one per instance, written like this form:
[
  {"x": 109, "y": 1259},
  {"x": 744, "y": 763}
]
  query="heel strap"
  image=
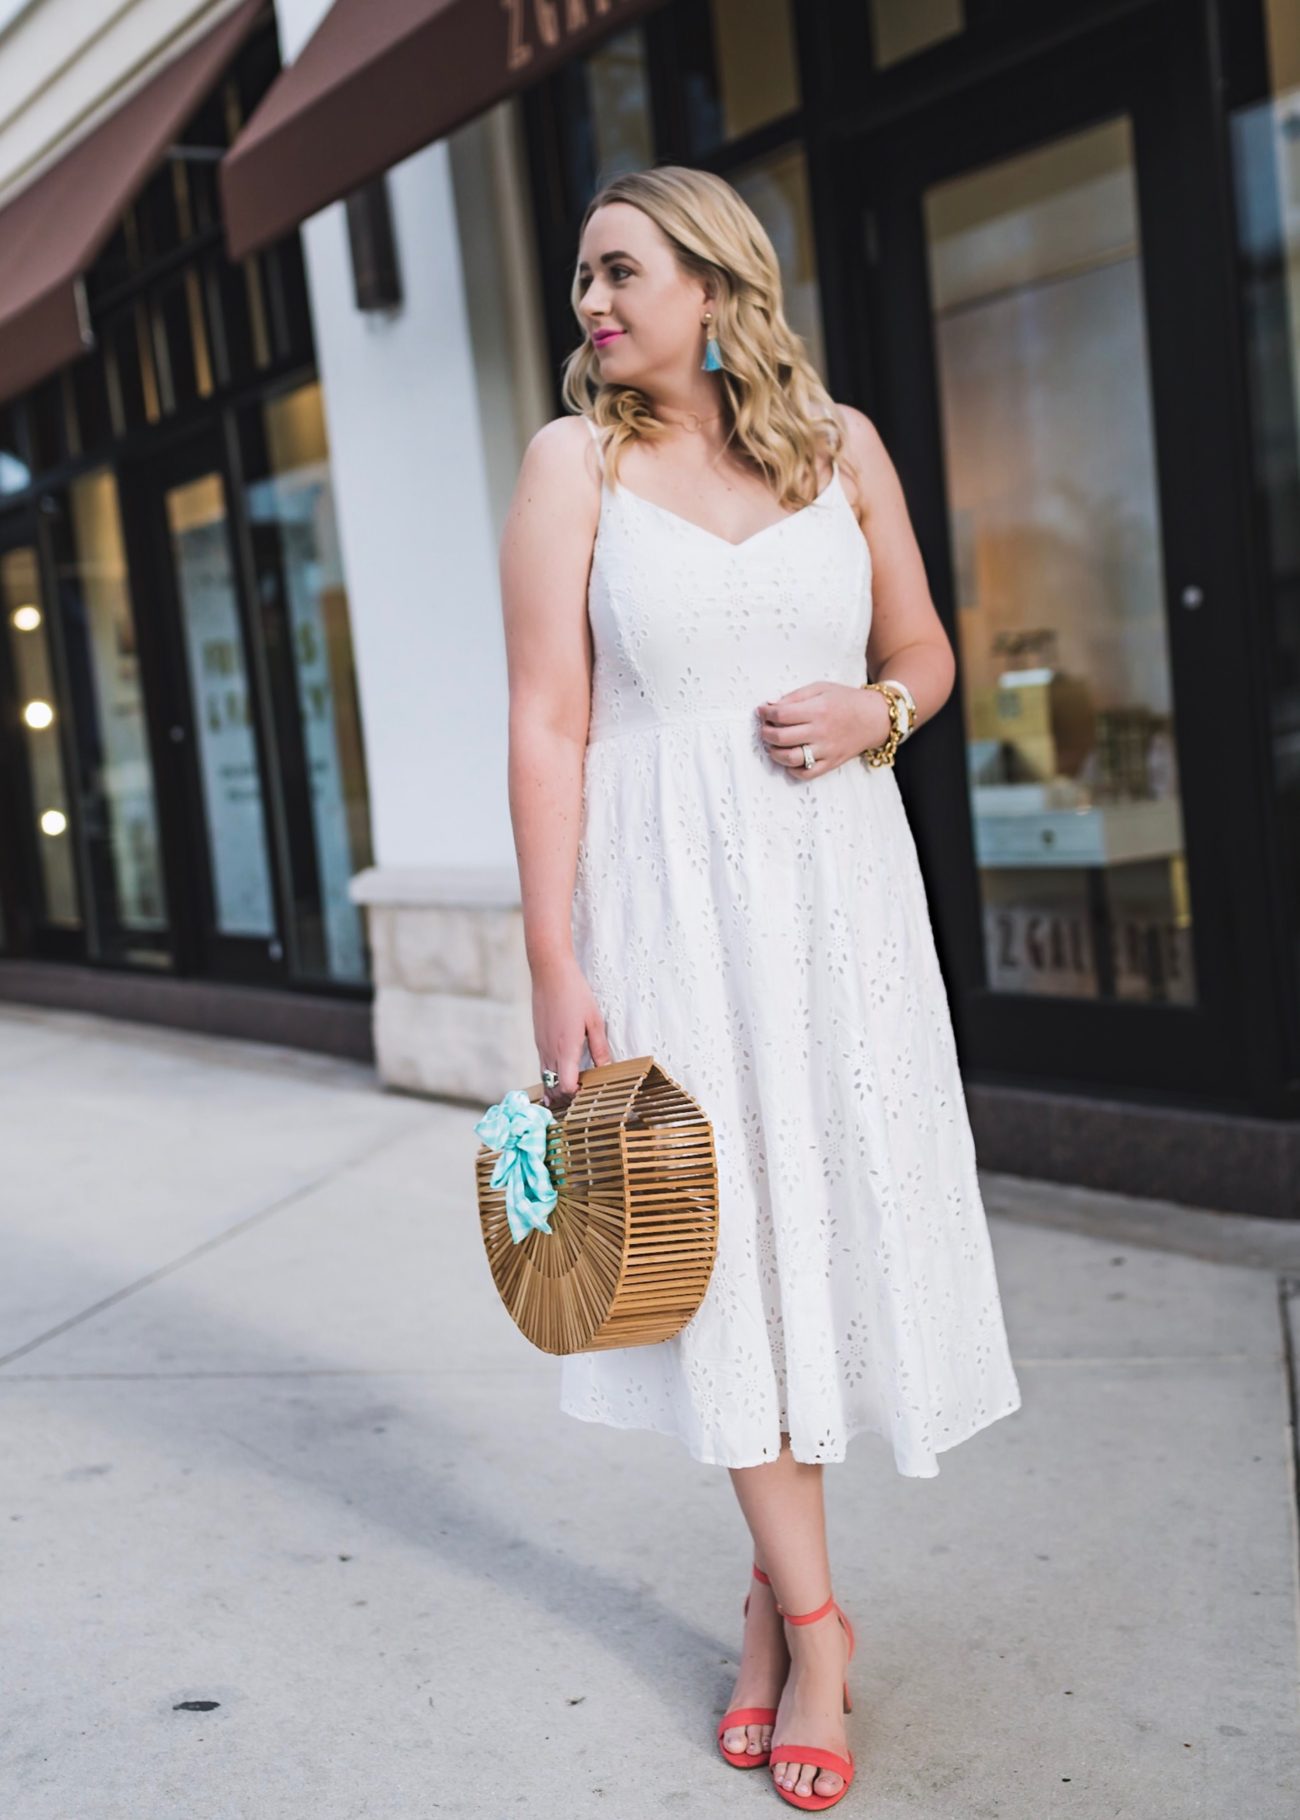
[
  {"x": 760, "y": 1575},
  {"x": 807, "y": 1617}
]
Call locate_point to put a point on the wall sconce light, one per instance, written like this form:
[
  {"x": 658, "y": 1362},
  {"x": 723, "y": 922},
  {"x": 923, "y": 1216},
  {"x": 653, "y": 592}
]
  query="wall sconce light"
[{"x": 376, "y": 275}]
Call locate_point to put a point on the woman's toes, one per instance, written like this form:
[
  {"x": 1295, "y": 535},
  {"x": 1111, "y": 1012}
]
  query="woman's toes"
[
  {"x": 814, "y": 1781},
  {"x": 755, "y": 1744},
  {"x": 734, "y": 1739}
]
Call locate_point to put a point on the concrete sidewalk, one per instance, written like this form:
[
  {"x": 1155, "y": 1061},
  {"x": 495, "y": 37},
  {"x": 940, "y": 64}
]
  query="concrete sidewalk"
[{"x": 293, "y": 1526}]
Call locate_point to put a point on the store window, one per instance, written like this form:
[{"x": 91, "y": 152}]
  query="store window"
[
  {"x": 751, "y": 76},
  {"x": 618, "y": 90},
  {"x": 31, "y": 658},
  {"x": 1266, "y": 157},
  {"x": 229, "y": 761},
  {"x": 777, "y": 191},
  {"x": 299, "y": 568},
  {"x": 901, "y": 28},
  {"x": 14, "y": 472},
  {"x": 119, "y": 809},
  {"x": 1039, "y": 326}
]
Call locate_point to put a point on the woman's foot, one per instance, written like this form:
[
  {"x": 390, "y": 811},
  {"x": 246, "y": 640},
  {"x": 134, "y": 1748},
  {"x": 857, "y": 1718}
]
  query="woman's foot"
[
  {"x": 812, "y": 1704},
  {"x": 764, "y": 1665}
]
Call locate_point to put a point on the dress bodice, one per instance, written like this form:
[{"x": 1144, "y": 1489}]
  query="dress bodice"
[{"x": 687, "y": 625}]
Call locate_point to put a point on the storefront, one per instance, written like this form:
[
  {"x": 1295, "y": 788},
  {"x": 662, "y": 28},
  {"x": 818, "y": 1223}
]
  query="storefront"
[
  {"x": 1054, "y": 252},
  {"x": 184, "y": 793},
  {"x": 1017, "y": 237}
]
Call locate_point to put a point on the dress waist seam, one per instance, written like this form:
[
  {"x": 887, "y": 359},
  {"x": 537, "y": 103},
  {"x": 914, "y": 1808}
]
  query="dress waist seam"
[{"x": 673, "y": 720}]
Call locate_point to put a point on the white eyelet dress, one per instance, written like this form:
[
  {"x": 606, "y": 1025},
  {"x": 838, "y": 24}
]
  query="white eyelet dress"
[{"x": 767, "y": 938}]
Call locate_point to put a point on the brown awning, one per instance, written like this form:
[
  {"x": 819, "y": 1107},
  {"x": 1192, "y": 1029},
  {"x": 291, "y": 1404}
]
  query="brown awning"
[
  {"x": 377, "y": 82},
  {"x": 52, "y": 230}
]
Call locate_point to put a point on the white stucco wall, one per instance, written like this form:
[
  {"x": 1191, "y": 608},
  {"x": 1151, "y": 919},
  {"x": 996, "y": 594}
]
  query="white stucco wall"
[{"x": 419, "y": 543}]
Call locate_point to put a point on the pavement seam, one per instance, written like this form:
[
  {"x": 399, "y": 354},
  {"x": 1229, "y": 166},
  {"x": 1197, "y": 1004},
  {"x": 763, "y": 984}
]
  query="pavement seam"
[
  {"x": 336, "y": 1170},
  {"x": 1288, "y": 1304},
  {"x": 1108, "y": 1359},
  {"x": 459, "y": 1372},
  {"x": 1236, "y": 1241},
  {"x": 238, "y": 1053},
  {"x": 1144, "y": 1358}
]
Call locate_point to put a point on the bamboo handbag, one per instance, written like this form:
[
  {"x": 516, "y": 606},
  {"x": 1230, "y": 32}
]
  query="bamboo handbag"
[{"x": 601, "y": 1223}]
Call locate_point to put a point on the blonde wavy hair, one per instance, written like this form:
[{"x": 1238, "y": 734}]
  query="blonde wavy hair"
[{"x": 775, "y": 406}]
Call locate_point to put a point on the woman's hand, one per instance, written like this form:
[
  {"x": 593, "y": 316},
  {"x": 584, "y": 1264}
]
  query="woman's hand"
[
  {"x": 565, "y": 1015},
  {"x": 837, "y": 720}
]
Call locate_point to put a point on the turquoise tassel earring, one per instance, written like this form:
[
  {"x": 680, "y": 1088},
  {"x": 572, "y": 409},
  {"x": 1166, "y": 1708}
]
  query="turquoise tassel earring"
[{"x": 712, "y": 361}]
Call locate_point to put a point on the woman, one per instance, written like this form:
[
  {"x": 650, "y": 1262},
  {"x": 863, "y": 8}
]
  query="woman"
[{"x": 699, "y": 569}]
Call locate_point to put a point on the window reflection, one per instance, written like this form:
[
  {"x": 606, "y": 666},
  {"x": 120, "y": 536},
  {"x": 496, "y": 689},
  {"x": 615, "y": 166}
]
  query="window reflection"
[
  {"x": 777, "y": 191},
  {"x": 122, "y": 819},
  {"x": 230, "y": 769},
  {"x": 1041, "y": 338},
  {"x": 291, "y": 508},
  {"x": 618, "y": 87},
  {"x": 900, "y": 28},
  {"x": 755, "y": 61},
  {"x": 27, "y": 627},
  {"x": 14, "y": 472}
]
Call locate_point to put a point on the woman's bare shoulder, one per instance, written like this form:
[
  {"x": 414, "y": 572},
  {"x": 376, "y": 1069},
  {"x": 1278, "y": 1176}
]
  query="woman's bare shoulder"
[
  {"x": 561, "y": 448},
  {"x": 865, "y": 452},
  {"x": 559, "y": 476},
  {"x": 550, "y": 528}
]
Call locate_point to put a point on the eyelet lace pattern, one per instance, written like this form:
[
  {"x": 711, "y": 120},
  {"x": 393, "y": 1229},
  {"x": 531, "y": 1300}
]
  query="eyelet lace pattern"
[{"x": 768, "y": 939}]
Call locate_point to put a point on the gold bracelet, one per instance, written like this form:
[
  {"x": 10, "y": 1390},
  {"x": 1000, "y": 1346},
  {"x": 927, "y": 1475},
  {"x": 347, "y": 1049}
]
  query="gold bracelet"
[
  {"x": 891, "y": 682},
  {"x": 883, "y": 754}
]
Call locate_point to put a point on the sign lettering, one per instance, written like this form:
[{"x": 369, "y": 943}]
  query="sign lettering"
[{"x": 549, "y": 25}]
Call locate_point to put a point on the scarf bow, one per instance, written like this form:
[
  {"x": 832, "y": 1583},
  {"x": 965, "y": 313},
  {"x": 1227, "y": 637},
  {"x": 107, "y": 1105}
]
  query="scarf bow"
[{"x": 516, "y": 1126}]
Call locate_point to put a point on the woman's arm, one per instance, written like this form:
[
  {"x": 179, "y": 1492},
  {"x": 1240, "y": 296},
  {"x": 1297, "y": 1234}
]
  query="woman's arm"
[
  {"x": 907, "y": 638},
  {"x": 545, "y": 561}
]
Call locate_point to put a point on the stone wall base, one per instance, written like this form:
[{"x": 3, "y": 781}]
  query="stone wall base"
[{"x": 453, "y": 993}]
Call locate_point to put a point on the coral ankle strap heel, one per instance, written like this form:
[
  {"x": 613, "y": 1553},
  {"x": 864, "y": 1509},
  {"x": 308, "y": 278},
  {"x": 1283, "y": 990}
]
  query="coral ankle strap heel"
[
  {"x": 805, "y": 1753},
  {"x": 746, "y": 1715}
]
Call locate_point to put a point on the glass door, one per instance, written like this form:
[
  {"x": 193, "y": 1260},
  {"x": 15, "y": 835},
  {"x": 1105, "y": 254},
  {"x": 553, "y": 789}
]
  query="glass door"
[
  {"x": 213, "y": 720},
  {"x": 81, "y": 859},
  {"x": 1046, "y": 359},
  {"x": 266, "y": 807},
  {"x": 40, "y": 863},
  {"x": 128, "y": 910}
]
